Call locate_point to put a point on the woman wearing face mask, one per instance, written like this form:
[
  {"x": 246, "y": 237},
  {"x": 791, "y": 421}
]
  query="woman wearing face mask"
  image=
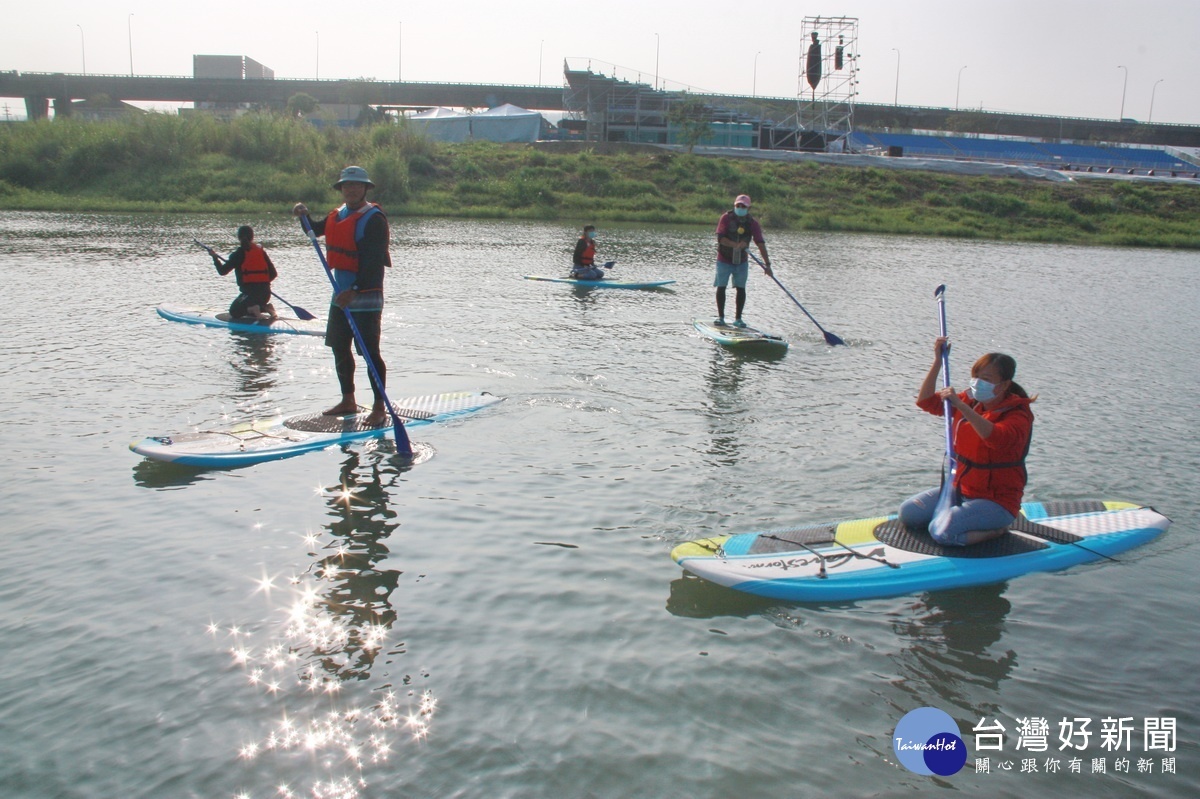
[
  {"x": 584, "y": 260},
  {"x": 992, "y": 427}
]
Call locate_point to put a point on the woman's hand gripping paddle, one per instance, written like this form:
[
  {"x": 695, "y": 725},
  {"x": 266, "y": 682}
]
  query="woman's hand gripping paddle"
[{"x": 403, "y": 445}]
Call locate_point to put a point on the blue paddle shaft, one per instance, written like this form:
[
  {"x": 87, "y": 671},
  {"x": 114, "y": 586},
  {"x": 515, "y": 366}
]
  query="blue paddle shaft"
[
  {"x": 946, "y": 498},
  {"x": 403, "y": 445}
]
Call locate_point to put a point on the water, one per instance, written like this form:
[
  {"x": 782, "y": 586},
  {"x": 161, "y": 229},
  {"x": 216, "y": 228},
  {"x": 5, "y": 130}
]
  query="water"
[{"x": 503, "y": 620}]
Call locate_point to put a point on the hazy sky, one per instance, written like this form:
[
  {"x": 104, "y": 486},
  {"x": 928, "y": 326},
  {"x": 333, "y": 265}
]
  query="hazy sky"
[{"x": 1045, "y": 57}]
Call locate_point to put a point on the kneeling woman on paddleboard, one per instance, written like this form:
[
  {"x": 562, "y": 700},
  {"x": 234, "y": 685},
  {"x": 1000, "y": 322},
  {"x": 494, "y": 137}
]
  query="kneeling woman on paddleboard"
[{"x": 992, "y": 427}]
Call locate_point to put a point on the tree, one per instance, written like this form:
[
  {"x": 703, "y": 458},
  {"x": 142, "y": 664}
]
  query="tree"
[
  {"x": 693, "y": 118},
  {"x": 301, "y": 104}
]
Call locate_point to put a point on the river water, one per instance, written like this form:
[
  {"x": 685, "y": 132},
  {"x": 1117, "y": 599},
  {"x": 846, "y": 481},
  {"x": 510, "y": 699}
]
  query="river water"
[{"x": 503, "y": 619}]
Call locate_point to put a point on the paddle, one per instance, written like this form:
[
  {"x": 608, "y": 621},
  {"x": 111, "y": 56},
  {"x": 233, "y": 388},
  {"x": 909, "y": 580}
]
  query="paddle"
[
  {"x": 830, "y": 338},
  {"x": 946, "y": 498},
  {"x": 296, "y": 309},
  {"x": 403, "y": 445}
]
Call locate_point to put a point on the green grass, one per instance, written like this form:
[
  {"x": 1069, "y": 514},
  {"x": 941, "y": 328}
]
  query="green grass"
[{"x": 263, "y": 163}]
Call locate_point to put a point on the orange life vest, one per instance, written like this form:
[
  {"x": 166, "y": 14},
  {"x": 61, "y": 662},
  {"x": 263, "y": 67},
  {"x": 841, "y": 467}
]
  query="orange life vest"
[
  {"x": 588, "y": 257},
  {"x": 255, "y": 268},
  {"x": 342, "y": 236}
]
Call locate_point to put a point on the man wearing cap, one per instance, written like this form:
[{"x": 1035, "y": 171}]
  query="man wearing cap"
[
  {"x": 356, "y": 243},
  {"x": 735, "y": 230}
]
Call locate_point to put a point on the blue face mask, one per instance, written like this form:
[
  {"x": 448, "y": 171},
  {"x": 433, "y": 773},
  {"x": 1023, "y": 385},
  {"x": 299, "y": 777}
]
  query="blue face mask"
[
  {"x": 741, "y": 211},
  {"x": 591, "y": 234},
  {"x": 982, "y": 390}
]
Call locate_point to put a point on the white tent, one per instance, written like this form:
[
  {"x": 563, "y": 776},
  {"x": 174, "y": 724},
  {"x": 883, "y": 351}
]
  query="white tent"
[
  {"x": 506, "y": 123},
  {"x": 442, "y": 124}
]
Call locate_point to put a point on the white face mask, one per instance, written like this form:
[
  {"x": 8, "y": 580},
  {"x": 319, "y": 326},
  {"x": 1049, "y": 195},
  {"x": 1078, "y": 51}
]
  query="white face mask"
[{"x": 982, "y": 390}]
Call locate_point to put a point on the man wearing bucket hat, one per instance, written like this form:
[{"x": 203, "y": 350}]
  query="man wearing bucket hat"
[
  {"x": 356, "y": 243},
  {"x": 735, "y": 230}
]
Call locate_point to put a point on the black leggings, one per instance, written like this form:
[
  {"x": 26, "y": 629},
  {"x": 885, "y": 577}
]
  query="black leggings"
[{"x": 339, "y": 337}]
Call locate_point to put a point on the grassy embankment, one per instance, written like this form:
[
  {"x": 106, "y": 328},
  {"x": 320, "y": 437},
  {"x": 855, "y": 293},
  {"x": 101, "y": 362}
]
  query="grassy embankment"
[{"x": 262, "y": 164}]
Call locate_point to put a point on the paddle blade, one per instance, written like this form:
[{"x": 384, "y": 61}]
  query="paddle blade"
[
  {"x": 302, "y": 314},
  {"x": 610, "y": 264},
  {"x": 833, "y": 340}
]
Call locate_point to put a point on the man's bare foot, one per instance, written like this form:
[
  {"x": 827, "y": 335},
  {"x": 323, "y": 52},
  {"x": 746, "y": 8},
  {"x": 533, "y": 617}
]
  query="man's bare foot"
[
  {"x": 377, "y": 418},
  {"x": 343, "y": 408}
]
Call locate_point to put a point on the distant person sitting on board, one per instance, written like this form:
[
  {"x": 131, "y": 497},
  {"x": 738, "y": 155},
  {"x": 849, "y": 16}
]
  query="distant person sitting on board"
[
  {"x": 735, "y": 230},
  {"x": 254, "y": 271},
  {"x": 356, "y": 241},
  {"x": 584, "y": 261},
  {"x": 992, "y": 430}
]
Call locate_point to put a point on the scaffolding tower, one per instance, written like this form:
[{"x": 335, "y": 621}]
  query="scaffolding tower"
[{"x": 828, "y": 83}]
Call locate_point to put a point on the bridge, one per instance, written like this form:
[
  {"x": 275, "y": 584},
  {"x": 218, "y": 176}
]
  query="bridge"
[{"x": 40, "y": 89}]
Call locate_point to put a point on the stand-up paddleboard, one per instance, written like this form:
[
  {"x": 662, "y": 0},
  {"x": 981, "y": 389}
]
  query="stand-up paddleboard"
[
  {"x": 604, "y": 283},
  {"x": 215, "y": 317},
  {"x": 739, "y": 337},
  {"x": 881, "y": 557},
  {"x": 270, "y": 439}
]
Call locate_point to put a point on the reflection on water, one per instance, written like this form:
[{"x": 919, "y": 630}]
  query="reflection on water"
[
  {"x": 947, "y": 639},
  {"x": 337, "y": 619},
  {"x": 255, "y": 362}
]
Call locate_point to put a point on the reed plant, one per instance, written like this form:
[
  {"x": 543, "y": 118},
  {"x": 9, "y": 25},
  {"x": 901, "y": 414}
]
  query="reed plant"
[{"x": 262, "y": 163}]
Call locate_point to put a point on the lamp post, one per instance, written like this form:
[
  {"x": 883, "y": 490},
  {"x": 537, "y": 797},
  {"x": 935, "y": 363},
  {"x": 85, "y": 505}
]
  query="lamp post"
[
  {"x": 657, "y": 42},
  {"x": 1124, "y": 84},
  {"x": 754, "y": 85},
  {"x": 400, "y": 52},
  {"x": 541, "y": 47},
  {"x": 129, "y": 30},
  {"x": 958, "y": 87},
  {"x": 83, "y": 52},
  {"x": 896, "y": 95},
  {"x": 1154, "y": 89},
  {"x": 317, "y": 69}
]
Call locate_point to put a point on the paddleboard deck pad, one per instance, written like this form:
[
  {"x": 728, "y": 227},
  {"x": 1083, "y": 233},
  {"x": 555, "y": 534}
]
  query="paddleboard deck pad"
[
  {"x": 279, "y": 437},
  {"x": 731, "y": 336},
  {"x": 603, "y": 284},
  {"x": 216, "y": 317},
  {"x": 880, "y": 557}
]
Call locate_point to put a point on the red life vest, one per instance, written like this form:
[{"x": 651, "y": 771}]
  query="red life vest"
[
  {"x": 738, "y": 228},
  {"x": 255, "y": 268},
  {"x": 588, "y": 257},
  {"x": 342, "y": 236},
  {"x": 989, "y": 469}
]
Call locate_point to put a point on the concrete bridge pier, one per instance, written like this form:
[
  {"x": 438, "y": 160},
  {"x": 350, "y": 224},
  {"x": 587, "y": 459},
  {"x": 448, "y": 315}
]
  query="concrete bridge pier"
[{"x": 37, "y": 107}]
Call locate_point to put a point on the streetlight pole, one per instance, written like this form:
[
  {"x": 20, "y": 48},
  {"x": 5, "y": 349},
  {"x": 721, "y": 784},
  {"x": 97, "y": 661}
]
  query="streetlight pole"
[
  {"x": 754, "y": 85},
  {"x": 657, "y": 42},
  {"x": 896, "y": 95},
  {"x": 129, "y": 30},
  {"x": 958, "y": 87},
  {"x": 1151, "y": 117},
  {"x": 541, "y": 47},
  {"x": 83, "y": 53},
  {"x": 317, "y": 70},
  {"x": 400, "y": 52},
  {"x": 1124, "y": 84}
]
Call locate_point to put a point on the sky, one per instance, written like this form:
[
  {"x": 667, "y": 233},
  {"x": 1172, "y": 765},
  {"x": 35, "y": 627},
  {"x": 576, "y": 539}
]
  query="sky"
[{"x": 1054, "y": 57}]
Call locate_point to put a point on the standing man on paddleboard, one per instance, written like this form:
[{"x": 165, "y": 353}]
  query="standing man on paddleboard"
[
  {"x": 993, "y": 427},
  {"x": 735, "y": 230},
  {"x": 356, "y": 241}
]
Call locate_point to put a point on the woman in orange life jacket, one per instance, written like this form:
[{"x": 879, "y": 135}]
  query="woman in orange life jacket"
[
  {"x": 254, "y": 272},
  {"x": 584, "y": 260},
  {"x": 356, "y": 242},
  {"x": 992, "y": 430}
]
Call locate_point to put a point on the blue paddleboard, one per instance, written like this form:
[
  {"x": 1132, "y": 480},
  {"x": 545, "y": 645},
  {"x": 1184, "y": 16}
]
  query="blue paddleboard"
[
  {"x": 740, "y": 337},
  {"x": 605, "y": 283},
  {"x": 880, "y": 557},
  {"x": 278, "y": 437},
  {"x": 216, "y": 317}
]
